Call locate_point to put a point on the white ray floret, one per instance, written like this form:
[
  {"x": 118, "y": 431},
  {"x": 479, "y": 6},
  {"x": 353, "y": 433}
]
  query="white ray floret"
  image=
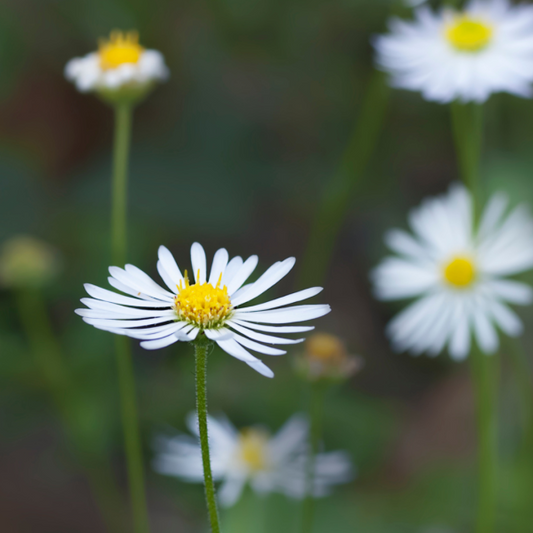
[
  {"x": 457, "y": 275},
  {"x": 252, "y": 456},
  {"x": 119, "y": 62},
  {"x": 211, "y": 306},
  {"x": 467, "y": 55}
]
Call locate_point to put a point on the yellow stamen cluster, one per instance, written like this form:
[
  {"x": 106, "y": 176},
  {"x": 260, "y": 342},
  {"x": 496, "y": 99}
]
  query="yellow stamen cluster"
[
  {"x": 253, "y": 448},
  {"x": 467, "y": 34},
  {"x": 460, "y": 272},
  {"x": 119, "y": 49},
  {"x": 325, "y": 357},
  {"x": 203, "y": 305},
  {"x": 325, "y": 348}
]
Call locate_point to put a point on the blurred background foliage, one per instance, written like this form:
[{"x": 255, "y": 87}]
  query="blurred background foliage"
[{"x": 234, "y": 151}]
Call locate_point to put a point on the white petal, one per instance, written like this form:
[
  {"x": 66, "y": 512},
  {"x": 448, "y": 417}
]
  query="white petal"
[
  {"x": 298, "y": 313},
  {"x": 109, "y": 296},
  {"x": 285, "y": 300},
  {"x": 236, "y": 350},
  {"x": 260, "y": 337},
  {"x": 105, "y": 323},
  {"x": 170, "y": 265},
  {"x": 459, "y": 346},
  {"x": 273, "y": 329},
  {"x": 199, "y": 263},
  {"x": 135, "y": 284},
  {"x": 231, "y": 490},
  {"x": 242, "y": 274},
  {"x": 506, "y": 319},
  {"x": 220, "y": 260},
  {"x": 160, "y": 343},
  {"x": 292, "y": 437},
  {"x": 485, "y": 333},
  {"x": 233, "y": 266},
  {"x": 276, "y": 272},
  {"x": 252, "y": 345},
  {"x": 110, "y": 308},
  {"x": 511, "y": 291}
]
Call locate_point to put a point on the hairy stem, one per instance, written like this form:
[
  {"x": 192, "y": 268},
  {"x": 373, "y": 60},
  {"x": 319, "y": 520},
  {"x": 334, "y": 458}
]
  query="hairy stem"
[{"x": 201, "y": 349}]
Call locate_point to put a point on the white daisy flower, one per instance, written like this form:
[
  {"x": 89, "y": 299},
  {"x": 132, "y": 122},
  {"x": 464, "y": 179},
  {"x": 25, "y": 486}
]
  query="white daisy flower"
[
  {"x": 121, "y": 62},
  {"x": 212, "y": 306},
  {"x": 267, "y": 463},
  {"x": 457, "y": 274},
  {"x": 464, "y": 55}
]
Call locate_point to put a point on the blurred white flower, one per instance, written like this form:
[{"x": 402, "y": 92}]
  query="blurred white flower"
[
  {"x": 464, "y": 55},
  {"x": 457, "y": 274},
  {"x": 121, "y": 62},
  {"x": 210, "y": 307},
  {"x": 267, "y": 463}
]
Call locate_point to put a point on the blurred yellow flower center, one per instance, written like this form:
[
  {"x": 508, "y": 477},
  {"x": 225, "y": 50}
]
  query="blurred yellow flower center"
[
  {"x": 203, "y": 305},
  {"x": 253, "y": 448},
  {"x": 119, "y": 49},
  {"x": 460, "y": 272},
  {"x": 468, "y": 34},
  {"x": 325, "y": 348}
]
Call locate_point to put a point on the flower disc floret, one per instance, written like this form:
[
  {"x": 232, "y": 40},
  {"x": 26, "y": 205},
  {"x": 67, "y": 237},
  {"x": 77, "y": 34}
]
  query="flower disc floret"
[
  {"x": 467, "y": 34},
  {"x": 253, "y": 447},
  {"x": 460, "y": 272},
  {"x": 203, "y": 305},
  {"x": 121, "y": 48}
]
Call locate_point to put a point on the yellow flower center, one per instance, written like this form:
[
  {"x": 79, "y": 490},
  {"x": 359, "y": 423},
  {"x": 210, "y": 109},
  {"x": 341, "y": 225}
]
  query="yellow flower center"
[
  {"x": 203, "y": 305},
  {"x": 253, "y": 448},
  {"x": 119, "y": 49},
  {"x": 460, "y": 272},
  {"x": 325, "y": 348},
  {"x": 467, "y": 34}
]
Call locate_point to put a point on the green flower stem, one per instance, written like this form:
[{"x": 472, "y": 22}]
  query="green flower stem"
[
  {"x": 126, "y": 378},
  {"x": 339, "y": 191},
  {"x": 467, "y": 128},
  {"x": 467, "y": 124},
  {"x": 316, "y": 415},
  {"x": 524, "y": 380},
  {"x": 484, "y": 370},
  {"x": 201, "y": 348},
  {"x": 61, "y": 388},
  {"x": 121, "y": 148}
]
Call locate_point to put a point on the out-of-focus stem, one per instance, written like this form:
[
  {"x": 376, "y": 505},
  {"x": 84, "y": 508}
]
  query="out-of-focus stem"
[
  {"x": 201, "y": 348},
  {"x": 524, "y": 379},
  {"x": 126, "y": 378},
  {"x": 485, "y": 377},
  {"x": 340, "y": 189},
  {"x": 316, "y": 414},
  {"x": 467, "y": 124},
  {"x": 467, "y": 129},
  {"x": 60, "y": 385}
]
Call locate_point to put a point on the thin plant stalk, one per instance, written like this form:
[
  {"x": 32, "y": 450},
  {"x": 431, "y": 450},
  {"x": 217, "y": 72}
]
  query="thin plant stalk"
[
  {"x": 316, "y": 415},
  {"x": 524, "y": 379},
  {"x": 201, "y": 348},
  {"x": 467, "y": 124},
  {"x": 340, "y": 190},
  {"x": 61, "y": 388},
  {"x": 467, "y": 129},
  {"x": 126, "y": 378},
  {"x": 485, "y": 375}
]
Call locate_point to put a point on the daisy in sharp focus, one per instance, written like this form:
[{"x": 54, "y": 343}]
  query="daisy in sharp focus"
[
  {"x": 120, "y": 63},
  {"x": 211, "y": 305},
  {"x": 457, "y": 275},
  {"x": 464, "y": 55},
  {"x": 267, "y": 463}
]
